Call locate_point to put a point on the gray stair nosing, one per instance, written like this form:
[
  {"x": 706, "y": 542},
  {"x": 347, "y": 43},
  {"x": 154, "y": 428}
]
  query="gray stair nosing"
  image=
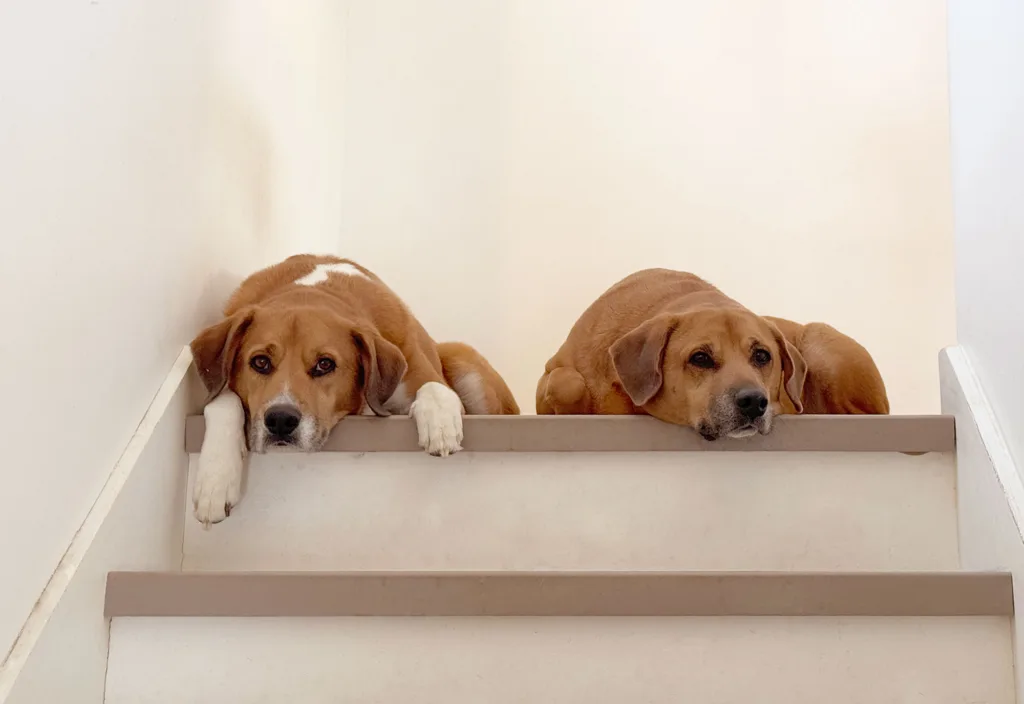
[
  {"x": 861, "y": 433},
  {"x": 466, "y": 594}
]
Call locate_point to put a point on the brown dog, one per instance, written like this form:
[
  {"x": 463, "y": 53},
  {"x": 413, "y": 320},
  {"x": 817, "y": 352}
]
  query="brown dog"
[
  {"x": 671, "y": 345},
  {"x": 309, "y": 341}
]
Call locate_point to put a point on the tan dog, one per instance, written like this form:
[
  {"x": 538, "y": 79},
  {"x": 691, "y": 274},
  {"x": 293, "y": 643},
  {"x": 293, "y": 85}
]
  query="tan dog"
[
  {"x": 669, "y": 344},
  {"x": 309, "y": 341}
]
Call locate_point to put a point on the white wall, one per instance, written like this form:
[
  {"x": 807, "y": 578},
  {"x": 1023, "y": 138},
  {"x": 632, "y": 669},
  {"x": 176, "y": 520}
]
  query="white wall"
[
  {"x": 136, "y": 523},
  {"x": 150, "y": 153},
  {"x": 986, "y": 39},
  {"x": 507, "y": 162},
  {"x": 499, "y": 163}
]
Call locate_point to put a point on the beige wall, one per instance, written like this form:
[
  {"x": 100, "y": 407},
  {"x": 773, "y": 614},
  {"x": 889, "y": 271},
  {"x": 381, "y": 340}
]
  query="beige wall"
[
  {"x": 507, "y": 162},
  {"x": 150, "y": 153},
  {"x": 499, "y": 163}
]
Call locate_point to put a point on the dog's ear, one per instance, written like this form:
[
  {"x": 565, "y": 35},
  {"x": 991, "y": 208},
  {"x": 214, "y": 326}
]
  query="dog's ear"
[
  {"x": 215, "y": 348},
  {"x": 638, "y": 355},
  {"x": 383, "y": 366},
  {"x": 794, "y": 369}
]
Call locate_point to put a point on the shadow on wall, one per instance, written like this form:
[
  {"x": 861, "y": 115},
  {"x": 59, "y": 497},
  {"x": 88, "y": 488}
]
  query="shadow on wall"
[{"x": 236, "y": 195}]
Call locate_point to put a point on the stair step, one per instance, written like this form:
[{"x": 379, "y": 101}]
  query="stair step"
[
  {"x": 313, "y": 594},
  {"x": 492, "y": 511},
  {"x": 940, "y": 638},
  {"x": 544, "y": 565},
  {"x": 912, "y": 434}
]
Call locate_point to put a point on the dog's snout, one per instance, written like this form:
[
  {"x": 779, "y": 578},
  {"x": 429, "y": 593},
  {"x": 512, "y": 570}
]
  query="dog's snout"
[
  {"x": 751, "y": 402},
  {"x": 281, "y": 421}
]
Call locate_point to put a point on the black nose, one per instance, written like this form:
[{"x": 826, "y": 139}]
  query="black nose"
[
  {"x": 282, "y": 421},
  {"x": 752, "y": 403}
]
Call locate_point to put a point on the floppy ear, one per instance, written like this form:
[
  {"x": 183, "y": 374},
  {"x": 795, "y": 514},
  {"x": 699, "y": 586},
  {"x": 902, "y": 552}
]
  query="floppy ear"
[
  {"x": 215, "y": 348},
  {"x": 384, "y": 366},
  {"x": 794, "y": 369},
  {"x": 637, "y": 357}
]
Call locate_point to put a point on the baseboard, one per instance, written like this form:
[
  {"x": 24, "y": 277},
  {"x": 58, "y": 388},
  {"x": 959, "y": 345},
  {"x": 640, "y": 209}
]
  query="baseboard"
[
  {"x": 135, "y": 523},
  {"x": 990, "y": 490}
]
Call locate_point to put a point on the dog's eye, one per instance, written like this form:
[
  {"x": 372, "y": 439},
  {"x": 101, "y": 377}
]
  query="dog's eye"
[
  {"x": 702, "y": 360},
  {"x": 762, "y": 357},
  {"x": 324, "y": 365},
  {"x": 261, "y": 364}
]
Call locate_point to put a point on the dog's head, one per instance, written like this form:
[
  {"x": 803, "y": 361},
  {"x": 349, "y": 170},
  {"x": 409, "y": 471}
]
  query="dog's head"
[
  {"x": 298, "y": 372},
  {"x": 719, "y": 371}
]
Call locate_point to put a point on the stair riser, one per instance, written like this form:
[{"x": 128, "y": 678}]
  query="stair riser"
[
  {"x": 769, "y": 660},
  {"x": 663, "y": 511}
]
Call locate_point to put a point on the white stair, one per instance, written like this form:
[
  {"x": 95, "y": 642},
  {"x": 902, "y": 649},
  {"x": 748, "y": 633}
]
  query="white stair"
[
  {"x": 585, "y": 661},
  {"x": 677, "y": 509},
  {"x": 578, "y": 560}
]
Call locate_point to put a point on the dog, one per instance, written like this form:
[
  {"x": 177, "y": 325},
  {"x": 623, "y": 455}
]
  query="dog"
[
  {"x": 309, "y": 341},
  {"x": 669, "y": 344}
]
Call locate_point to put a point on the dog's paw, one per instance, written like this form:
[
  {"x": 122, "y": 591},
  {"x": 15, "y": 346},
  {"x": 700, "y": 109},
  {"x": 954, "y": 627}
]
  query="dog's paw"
[
  {"x": 217, "y": 489},
  {"x": 218, "y": 482},
  {"x": 437, "y": 411}
]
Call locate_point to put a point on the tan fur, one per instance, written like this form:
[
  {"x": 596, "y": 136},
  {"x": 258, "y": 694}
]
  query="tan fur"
[
  {"x": 459, "y": 360},
  {"x": 355, "y": 321},
  {"x": 631, "y": 350},
  {"x": 842, "y": 378}
]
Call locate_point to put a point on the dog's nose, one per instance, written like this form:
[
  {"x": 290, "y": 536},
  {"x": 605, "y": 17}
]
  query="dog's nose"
[
  {"x": 282, "y": 421},
  {"x": 751, "y": 402}
]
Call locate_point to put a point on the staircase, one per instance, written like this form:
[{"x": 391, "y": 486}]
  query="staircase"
[{"x": 589, "y": 560}]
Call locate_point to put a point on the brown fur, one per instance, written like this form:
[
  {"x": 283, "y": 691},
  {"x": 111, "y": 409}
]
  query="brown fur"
[
  {"x": 357, "y": 322},
  {"x": 459, "y": 360},
  {"x": 632, "y": 351},
  {"x": 842, "y": 378}
]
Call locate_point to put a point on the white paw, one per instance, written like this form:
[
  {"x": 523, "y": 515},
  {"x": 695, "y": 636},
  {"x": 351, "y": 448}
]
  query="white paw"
[
  {"x": 218, "y": 483},
  {"x": 217, "y": 489},
  {"x": 437, "y": 411}
]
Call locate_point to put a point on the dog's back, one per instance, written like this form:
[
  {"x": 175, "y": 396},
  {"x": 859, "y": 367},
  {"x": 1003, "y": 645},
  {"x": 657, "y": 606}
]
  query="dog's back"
[{"x": 842, "y": 377}]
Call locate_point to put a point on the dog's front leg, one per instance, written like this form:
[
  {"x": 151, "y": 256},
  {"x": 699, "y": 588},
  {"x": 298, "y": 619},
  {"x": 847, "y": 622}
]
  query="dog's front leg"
[
  {"x": 437, "y": 411},
  {"x": 218, "y": 481}
]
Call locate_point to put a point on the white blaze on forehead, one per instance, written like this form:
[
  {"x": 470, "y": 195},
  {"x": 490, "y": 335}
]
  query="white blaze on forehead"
[
  {"x": 322, "y": 272},
  {"x": 284, "y": 398}
]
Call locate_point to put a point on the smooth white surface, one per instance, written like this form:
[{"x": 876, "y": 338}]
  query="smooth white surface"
[
  {"x": 151, "y": 153},
  {"x": 568, "y": 661},
  {"x": 986, "y": 53},
  {"x": 506, "y": 162},
  {"x": 494, "y": 511},
  {"x": 990, "y": 493},
  {"x": 135, "y": 524}
]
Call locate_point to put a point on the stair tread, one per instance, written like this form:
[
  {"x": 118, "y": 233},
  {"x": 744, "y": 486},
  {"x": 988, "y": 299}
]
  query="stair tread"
[{"x": 580, "y": 593}]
